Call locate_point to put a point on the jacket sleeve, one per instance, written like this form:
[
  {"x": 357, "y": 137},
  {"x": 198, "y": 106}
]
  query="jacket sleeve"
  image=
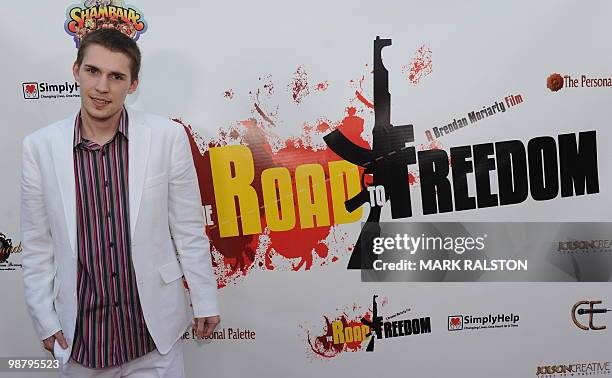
[
  {"x": 37, "y": 255},
  {"x": 187, "y": 227}
]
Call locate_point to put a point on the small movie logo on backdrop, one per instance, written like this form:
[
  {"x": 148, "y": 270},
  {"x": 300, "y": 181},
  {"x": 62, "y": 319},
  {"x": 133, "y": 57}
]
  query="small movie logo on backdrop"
[
  {"x": 357, "y": 328},
  {"x": 104, "y": 14}
]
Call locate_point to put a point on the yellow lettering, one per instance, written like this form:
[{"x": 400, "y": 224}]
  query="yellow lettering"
[
  {"x": 337, "y": 333},
  {"x": 364, "y": 331},
  {"x": 279, "y": 208},
  {"x": 228, "y": 187},
  {"x": 121, "y": 15},
  {"x": 312, "y": 198},
  {"x": 348, "y": 334},
  {"x": 75, "y": 14},
  {"x": 112, "y": 12},
  {"x": 94, "y": 12},
  {"x": 103, "y": 12},
  {"x": 85, "y": 13},
  {"x": 345, "y": 183},
  {"x": 357, "y": 333},
  {"x": 132, "y": 16}
]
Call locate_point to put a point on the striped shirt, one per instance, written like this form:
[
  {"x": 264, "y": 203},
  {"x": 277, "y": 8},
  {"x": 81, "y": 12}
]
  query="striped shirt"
[{"x": 110, "y": 327}]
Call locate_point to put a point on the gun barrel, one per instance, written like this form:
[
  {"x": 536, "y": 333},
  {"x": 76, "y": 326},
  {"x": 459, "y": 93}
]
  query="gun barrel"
[{"x": 382, "y": 97}]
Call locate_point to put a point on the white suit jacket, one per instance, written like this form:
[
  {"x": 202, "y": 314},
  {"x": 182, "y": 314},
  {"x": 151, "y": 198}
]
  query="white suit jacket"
[{"x": 165, "y": 214}]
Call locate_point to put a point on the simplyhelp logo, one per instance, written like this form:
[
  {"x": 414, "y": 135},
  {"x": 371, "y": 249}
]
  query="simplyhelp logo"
[{"x": 44, "y": 90}]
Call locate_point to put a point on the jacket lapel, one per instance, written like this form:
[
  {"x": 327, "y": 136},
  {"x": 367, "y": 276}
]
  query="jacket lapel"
[
  {"x": 139, "y": 141},
  {"x": 63, "y": 160}
]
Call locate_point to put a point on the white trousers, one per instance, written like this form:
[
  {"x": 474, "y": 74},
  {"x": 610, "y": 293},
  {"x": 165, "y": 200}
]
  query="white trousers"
[{"x": 153, "y": 365}]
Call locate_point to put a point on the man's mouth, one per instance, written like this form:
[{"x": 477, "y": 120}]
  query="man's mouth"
[{"x": 99, "y": 101}]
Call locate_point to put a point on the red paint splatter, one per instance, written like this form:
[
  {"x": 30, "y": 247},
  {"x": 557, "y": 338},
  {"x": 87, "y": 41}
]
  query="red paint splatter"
[
  {"x": 420, "y": 65},
  {"x": 323, "y": 127},
  {"x": 352, "y": 128},
  {"x": 234, "y": 257},
  {"x": 412, "y": 178},
  {"x": 322, "y": 86},
  {"x": 299, "y": 85},
  {"x": 268, "y": 85},
  {"x": 263, "y": 115},
  {"x": 229, "y": 94},
  {"x": 433, "y": 145},
  {"x": 364, "y": 100}
]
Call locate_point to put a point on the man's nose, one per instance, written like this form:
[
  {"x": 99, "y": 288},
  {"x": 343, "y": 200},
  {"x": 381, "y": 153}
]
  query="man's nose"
[{"x": 102, "y": 85}]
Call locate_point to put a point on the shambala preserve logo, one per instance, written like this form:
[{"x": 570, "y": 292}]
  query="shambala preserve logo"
[{"x": 104, "y": 14}]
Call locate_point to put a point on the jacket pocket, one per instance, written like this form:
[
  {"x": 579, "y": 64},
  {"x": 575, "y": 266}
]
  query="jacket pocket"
[{"x": 170, "y": 271}]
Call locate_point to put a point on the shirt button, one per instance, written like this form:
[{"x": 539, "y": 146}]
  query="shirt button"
[
  {"x": 116, "y": 304},
  {"x": 109, "y": 215},
  {"x": 105, "y": 183},
  {"x": 114, "y": 275},
  {"x": 111, "y": 244}
]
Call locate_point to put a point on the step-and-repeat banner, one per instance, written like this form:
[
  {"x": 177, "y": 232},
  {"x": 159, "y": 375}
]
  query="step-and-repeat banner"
[{"x": 390, "y": 189}]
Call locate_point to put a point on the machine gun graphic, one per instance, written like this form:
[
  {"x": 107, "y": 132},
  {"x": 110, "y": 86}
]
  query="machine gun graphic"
[
  {"x": 375, "y": 325},
  {"x": 387, "y": 161}
]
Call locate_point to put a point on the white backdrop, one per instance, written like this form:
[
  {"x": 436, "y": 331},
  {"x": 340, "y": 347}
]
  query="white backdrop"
[{"x": 205, "y": 63}]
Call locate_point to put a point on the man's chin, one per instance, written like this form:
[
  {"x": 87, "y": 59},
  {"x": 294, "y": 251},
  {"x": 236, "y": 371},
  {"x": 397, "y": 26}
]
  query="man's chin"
[{"x": 100, "y": 114}]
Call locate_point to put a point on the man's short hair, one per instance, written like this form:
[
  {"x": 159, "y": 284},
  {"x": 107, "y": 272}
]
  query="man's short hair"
[{"x": 115, "y": 41}]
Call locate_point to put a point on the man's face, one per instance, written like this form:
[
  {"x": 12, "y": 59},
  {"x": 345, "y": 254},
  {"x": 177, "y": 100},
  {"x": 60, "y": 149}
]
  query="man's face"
[{"x": 105, "y": 80}]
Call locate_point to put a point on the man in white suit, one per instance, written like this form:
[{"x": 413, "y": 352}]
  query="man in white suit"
[{"x": 109, "y": 199}]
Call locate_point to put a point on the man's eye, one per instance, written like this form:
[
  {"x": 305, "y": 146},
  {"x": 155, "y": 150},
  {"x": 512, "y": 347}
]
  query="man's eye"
[
  {"x": 118, "y": 77},
  {"x": 91, "y": 70}
]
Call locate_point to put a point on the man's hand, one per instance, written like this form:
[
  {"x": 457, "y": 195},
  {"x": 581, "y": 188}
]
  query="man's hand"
[
  {"x": 49, "y": 341},
  {"x": 204, "y": 327}
]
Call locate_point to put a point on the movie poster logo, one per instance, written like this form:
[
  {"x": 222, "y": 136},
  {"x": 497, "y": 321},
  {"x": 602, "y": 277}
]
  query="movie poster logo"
[
  {"x": 104, "y": 14},
  {"x": 278, "y": 202},
  {"x": 360, "y": 329}
]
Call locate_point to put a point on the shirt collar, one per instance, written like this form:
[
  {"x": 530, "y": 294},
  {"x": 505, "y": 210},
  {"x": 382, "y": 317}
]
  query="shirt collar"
[{"x": 123, "y": 127}]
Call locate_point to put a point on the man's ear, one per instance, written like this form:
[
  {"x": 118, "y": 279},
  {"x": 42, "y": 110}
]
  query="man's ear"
[
  {"x": 75, "y": 71},
  {"x": 133, "y": 86}
]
